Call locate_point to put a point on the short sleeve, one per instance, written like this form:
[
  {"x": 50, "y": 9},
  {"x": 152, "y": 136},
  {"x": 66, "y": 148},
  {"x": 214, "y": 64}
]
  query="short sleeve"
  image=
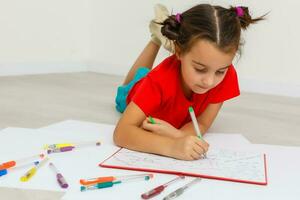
[
  {"x": 227, "y": 89},
  {"x": 147, "y": 95}
]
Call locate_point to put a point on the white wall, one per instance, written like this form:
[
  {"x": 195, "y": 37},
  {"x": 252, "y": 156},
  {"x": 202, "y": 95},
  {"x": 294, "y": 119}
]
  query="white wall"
[
  {"x": 269, "y": 63},
  {"x": 120, "y": 32},
  {"x": 42, "y": 36},
  {"x": 106, "y": 36}
]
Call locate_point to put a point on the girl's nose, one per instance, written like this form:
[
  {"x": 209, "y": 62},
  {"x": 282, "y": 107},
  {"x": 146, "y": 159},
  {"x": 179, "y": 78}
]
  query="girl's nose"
[{"x": 208, "y": 81}]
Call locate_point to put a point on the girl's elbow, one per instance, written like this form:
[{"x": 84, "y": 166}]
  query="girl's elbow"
[{"x": 117, "y": 137}]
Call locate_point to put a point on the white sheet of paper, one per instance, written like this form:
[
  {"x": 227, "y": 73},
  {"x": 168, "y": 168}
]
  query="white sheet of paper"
[
  {"x": 283, "y": 182},
  {"x": 220, "y": 163},
  {"x": 80, "y": 127},
  {"x": 283, "y": 167},
  {"x": 17, "y": 143},
  {"x": 283, "y": 178}
]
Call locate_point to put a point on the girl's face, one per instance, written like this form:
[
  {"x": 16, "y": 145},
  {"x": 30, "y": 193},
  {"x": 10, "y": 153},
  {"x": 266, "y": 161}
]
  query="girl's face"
[{"x": 203, "y": 67}]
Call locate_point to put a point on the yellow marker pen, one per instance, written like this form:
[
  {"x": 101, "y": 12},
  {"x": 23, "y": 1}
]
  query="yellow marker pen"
[
  {"x": 33, "y": 170},
  {"x": 55, "y": 146}
]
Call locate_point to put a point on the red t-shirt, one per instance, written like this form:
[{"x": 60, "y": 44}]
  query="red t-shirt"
[{"x": 160, "y": 95}]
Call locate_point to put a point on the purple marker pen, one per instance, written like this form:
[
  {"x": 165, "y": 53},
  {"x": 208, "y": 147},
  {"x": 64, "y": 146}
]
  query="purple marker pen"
[
  {"x": 70, "y": 148},
  {"x": 59, "y": 177},
  {"x": 62, "y": 149}
]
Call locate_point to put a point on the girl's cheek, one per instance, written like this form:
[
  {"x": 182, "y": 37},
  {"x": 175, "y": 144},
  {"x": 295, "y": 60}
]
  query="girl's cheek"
[{"x": 220, "y": 80}]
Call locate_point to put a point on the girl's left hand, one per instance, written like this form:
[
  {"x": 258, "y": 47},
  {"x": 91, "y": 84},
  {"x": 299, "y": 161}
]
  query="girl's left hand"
[{"x": 161, "y": 127}]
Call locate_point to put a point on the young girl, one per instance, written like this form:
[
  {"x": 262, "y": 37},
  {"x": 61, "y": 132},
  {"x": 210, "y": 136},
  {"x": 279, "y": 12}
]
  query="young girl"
[{"x": 205, "y": 39}]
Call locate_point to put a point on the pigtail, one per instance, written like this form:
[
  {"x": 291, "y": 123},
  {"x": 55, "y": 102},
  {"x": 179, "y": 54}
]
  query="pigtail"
[
  {"x": 244, "y": 16},
  {"x": 171, "y": 27}
]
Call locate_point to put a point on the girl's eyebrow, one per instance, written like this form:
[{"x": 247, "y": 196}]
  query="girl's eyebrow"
[
  {"x": 224, "y": 67},
  {"x": 199, "y": 63}
]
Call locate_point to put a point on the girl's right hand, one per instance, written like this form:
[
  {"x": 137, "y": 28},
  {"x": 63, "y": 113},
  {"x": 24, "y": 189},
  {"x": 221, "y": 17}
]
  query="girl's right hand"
[
  {"x": 188, "y": 148},
  {"x": 161, "y": 127}
]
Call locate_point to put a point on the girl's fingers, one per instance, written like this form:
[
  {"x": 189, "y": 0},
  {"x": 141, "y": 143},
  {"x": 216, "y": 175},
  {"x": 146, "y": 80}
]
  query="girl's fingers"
[
  {"x": 144, "y": 122},
  {"x": 158, "y": 121},
  {"x": 148, "y": 119},
  {"x": 202, "y": 144},
  {"x": 146, "y": 125},
  {"x": 199, "y": 149},
  {"x": 195, "y": 155},
  {"x": 159, "y": 126},
  {"x": 149, "y": 126}
]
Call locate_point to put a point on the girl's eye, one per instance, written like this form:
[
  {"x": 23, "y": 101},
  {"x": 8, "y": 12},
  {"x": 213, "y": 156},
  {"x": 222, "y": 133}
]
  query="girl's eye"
[
  {"x": 200, "y": 70},
  {"x": 220, "y": 72}
]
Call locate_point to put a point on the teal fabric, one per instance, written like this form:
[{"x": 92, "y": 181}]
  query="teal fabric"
[{"x": 123, "y": 90}]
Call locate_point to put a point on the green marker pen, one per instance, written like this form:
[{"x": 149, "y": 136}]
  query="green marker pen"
[
  {"x": 151, "y": 120},
  {"x": 196, "y": 126}
]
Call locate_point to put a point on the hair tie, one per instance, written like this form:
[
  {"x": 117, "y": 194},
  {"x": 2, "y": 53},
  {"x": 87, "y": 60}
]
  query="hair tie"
[
  {"x": 178, "y": 17},
  {"x": 239, "y": 11}
]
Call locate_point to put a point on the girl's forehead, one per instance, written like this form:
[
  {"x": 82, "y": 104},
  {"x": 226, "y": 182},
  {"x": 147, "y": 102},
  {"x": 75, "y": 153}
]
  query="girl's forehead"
[{"x": 208, "y": 54}]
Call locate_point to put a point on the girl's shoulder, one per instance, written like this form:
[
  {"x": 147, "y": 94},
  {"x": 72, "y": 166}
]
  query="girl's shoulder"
[{"x": 166, "y": 71}]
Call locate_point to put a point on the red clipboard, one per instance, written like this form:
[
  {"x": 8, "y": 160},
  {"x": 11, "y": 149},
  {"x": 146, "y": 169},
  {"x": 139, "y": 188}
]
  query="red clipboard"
[{"x": 178, "y": 172}]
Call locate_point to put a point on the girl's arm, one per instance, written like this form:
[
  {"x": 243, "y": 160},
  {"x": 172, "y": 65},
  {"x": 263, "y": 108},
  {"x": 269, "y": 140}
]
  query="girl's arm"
[
  {"x": 205, "y": 120},
  {"x": 131, "y": 135}
]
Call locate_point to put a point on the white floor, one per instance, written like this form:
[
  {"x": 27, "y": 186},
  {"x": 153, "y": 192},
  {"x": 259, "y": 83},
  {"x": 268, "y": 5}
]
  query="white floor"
[{"x": 34, "y": 101}]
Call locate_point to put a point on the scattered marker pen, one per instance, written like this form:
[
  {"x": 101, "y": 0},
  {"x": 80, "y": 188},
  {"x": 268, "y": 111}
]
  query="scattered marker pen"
[
  {"x": 6, "y": 171},
  {"x": 159, "y": 189},
  {"x": 92, "y": 181},
  {"x": 59, "y": 150},
  {"x": 59, "y": 177},
  {"x": 33, "y": 170},
  {"x": 112, "y": 183},
  {"x": 71, "y": 148},
  {"x": 60, "y": 145},
  {"x": 22, "y": 161},
  {"x": 180, "y": 190},
  {"x": 99, "y": 186}
]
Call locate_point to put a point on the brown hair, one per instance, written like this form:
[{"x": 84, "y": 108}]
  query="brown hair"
[{"x": 216, "y": 24}]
